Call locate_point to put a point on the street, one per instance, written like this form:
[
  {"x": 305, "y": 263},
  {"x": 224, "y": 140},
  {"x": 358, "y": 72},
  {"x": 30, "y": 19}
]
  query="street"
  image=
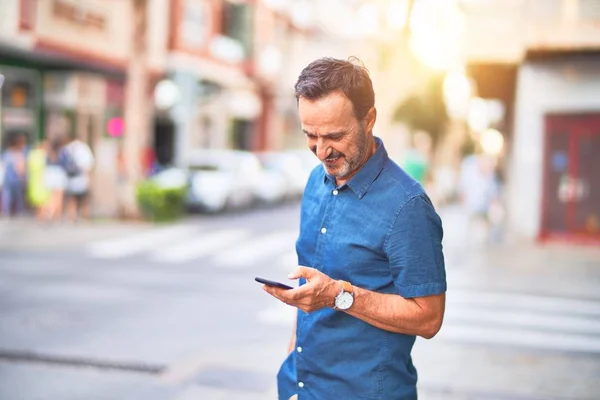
[{"x": 173, "y": 313}]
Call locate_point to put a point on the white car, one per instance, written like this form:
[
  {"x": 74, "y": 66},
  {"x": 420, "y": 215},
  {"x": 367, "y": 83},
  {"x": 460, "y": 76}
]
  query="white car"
[
  {"x": 308, "y": 159},
  {"x": 222, "y": 179},
  {"x": 290, "y": 167}
]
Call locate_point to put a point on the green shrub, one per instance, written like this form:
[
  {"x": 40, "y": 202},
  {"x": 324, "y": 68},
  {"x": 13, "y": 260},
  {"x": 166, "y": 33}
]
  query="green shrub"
[{"x": 160, "y": 204}]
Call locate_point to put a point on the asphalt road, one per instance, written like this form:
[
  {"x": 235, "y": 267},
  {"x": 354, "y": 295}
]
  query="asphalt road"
[{"x": 173, "y": 313}]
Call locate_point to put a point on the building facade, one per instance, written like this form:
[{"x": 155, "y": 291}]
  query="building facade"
[
  {"x": 220, "y": 75},
  {"x": 66, "y": 60},
  {"x": 548, "y": 63}
]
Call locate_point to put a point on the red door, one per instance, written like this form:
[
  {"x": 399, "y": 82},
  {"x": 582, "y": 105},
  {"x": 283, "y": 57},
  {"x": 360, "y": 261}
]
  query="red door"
[{"x": 571, "y": 190}]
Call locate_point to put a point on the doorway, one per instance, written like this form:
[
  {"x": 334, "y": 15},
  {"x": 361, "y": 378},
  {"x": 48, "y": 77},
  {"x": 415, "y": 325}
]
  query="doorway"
[
  {"x": 241, "y": 132},
  {"x": 164, "y": 141},
  {"x": 571, "y": 188}
]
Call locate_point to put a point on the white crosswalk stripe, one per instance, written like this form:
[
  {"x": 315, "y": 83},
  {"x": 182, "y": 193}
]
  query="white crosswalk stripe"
[
  {"x": 140, "y": 242},
  {"x": 473, "y": 334},
  {"x": 518, "y": 320},
  {"x": 222, "y": 248},
  {"x": 263, "y": 248},
  {"x": 524, "y": 301},
  {"x": 540, "y": 322},
  {"x": 524, "y": 319},
  {"x": 200, "y": 246}
]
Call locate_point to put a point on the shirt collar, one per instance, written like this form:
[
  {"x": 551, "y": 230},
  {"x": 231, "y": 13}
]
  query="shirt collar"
[{"x": 366, "y": 175}]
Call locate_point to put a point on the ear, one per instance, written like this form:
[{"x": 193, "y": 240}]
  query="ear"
[{"x": 370, "y": 119}]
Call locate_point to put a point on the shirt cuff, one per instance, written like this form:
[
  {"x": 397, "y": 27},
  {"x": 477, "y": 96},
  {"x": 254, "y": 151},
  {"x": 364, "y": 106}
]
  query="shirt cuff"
[{"x": 425, "y": 289}]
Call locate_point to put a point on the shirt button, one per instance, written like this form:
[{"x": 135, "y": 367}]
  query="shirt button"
[
  {"x": 299, "y": 349},
  {"x": 335, "y": 192},
  {"x": 323, "y": 230},
  {"x": 301, "y": 384}
]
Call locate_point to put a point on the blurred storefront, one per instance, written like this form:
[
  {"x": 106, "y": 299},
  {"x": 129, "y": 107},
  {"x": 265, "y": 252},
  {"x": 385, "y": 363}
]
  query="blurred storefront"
[
  {"x": 65, "y": 65},
  {"x": 557, "y": 148},
  {"x": 92, "y": 106},
  {"x": 20, "y": 103},
  {"x": 215, "y": 104},
  {"x": 278, "y": 41},
  {"x": 541, "y": 58}
]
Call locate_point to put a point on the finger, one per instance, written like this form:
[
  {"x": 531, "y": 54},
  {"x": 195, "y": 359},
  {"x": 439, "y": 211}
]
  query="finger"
[
  {"x": 298, "y": 297},
  {"x": 300, "y": 272},
  {"x": 280, "y": 294}
]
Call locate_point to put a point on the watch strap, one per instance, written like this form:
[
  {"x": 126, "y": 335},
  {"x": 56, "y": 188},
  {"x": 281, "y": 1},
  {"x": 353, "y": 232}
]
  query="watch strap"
[{"x": 347, "y": 287}]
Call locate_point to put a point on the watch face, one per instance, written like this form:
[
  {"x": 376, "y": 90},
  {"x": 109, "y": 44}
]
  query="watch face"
[{"x": 344, "y": 301}]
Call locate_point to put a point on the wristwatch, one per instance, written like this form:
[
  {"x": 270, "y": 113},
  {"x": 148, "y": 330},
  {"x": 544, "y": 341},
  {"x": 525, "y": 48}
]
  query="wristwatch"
[{"x": 345, "y": 299}]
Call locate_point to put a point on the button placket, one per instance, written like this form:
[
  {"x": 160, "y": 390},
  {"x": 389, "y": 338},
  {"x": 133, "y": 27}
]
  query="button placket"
[{"x": 322, "y": 238}]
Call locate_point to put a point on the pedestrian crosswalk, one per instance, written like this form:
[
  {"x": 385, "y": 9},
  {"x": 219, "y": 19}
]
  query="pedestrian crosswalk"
[
  {"x": 507, "y": 319},
  {"x": 261, "y": 248},
  {"x": 533, "y": 321},
  {"x": 234, "y": 248},
  {"x": 199, "y": 246},
  {"x": 472, "y": 316},
  {"x": 124, "y": 246}
]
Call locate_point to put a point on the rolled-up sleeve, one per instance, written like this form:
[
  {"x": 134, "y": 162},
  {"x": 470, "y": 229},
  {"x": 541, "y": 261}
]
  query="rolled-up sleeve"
[{"x": 414, "y": 249}]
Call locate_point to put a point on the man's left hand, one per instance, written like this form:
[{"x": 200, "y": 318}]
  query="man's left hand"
[{"x": 318, "y": 292}]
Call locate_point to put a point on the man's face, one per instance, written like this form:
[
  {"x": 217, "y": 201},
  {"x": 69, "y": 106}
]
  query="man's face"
[{"x": 334, "y": 134}]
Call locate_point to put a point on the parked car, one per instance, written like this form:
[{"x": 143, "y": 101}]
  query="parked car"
[
  {"x": 290, "y": 168},
  {"x": 272, "y": 186},
  {"x": 222, "y": 179},
  {"x": 308, "y": 159}
]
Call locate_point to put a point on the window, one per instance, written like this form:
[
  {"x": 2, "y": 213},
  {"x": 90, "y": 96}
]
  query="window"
[{"x": 237, "y": 22}]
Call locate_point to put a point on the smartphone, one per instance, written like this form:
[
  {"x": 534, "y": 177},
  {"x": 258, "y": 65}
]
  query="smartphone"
[
  {"x": 272, "y": 283},
  {"x": 1, "y": 80}
]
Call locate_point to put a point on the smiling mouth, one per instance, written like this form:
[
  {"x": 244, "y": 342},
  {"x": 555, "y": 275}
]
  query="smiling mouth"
[{"x": 331, "y": 160}]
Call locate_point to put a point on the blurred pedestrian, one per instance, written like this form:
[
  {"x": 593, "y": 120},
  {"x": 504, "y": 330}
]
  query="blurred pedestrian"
[
  {"x": 15, "y": 175},
  {"x": 79, "y": 183},
  {"x": 38, "y": 193},
  {"x": 479, "y": 192},
  {"x": 55, "y": 176},
  {"x": 372, "y": 273},
  {"x": 416, "y": 159}
]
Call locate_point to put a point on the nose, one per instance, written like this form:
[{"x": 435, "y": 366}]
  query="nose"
[{"x": 323, "y": 151}]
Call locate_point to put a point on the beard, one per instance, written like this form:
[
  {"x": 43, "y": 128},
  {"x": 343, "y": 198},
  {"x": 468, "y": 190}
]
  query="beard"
[{"x": 349, "y": 163}]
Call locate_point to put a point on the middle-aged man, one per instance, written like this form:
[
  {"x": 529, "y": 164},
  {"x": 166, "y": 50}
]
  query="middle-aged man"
[{"x": 372, "y": 274}]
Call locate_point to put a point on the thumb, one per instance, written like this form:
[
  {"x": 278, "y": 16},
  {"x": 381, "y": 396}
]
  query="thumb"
[{"x": 301, "y": 272}]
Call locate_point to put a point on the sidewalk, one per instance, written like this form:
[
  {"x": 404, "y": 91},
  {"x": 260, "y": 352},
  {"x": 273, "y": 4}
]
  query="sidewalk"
[{"x": 521, "y": 266}]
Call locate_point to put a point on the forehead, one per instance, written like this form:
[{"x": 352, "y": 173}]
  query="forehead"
[{"x": 330, "y": 111}]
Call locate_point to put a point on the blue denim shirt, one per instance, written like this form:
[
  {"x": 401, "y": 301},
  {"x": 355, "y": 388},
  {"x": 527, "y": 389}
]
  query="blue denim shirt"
[{"x": 379, "y": 232}]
